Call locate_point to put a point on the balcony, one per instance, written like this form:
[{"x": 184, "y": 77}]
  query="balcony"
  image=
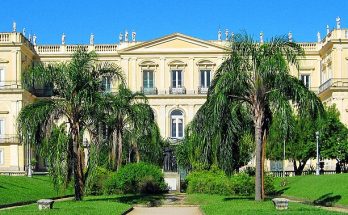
[
  {"x": 203, "y": 90},
  {"x": 9, "y": 85},
  {"x": 177, "y": 90},
  {"x": 9, "y": 138},
  {"x": 334, "y": 83},
  {"x": 149, "y": 91}
]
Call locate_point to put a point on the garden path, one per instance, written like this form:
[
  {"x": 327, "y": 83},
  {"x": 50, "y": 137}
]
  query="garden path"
[{"x": 173, "y": 204}]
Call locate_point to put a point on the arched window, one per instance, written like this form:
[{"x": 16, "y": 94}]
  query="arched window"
[{"x": 177, "y": 124}]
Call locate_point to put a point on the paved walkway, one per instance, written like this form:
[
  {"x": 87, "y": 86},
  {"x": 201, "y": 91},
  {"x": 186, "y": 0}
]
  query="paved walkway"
[
  {"x": 171, "y": 210},
  {"x": 173, "y": 204}
]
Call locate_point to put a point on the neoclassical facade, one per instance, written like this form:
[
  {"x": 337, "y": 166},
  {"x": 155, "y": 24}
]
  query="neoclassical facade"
[{"x": 174, "y": 72}]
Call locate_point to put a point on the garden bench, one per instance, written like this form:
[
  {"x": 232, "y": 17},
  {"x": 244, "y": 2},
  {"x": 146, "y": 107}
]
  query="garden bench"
[
  {"x": 280, "y": 203},
  {"x": 45, "y": 204}
]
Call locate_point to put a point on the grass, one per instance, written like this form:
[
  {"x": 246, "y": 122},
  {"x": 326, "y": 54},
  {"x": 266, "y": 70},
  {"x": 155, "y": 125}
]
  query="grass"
[
  {"x": 90, "y": 205},
  {"x": 312, "y": 187},
  {"x": 21, "y": 188},
  {"x": 215, "y": 204}
]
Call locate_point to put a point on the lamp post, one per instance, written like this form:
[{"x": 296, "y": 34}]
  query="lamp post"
[
  {"x": 317, "y": 136},
  {"x": 29, "y": 157}
]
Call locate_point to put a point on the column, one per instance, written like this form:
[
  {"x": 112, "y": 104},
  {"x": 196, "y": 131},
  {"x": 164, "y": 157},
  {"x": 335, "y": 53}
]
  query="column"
[{"x": 162, "y": 85}]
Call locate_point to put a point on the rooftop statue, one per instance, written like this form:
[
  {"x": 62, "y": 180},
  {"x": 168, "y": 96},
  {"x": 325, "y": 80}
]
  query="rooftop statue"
[
  {"x": 219, "y": 35},
  {"x": 261, "y": 37},
  {"x": 318, "y": 37},
  {"x": 133, "y": 36},
  {"x": 63, "y": 39},
  {"x": 14, "y": 27},
  {"x": 126, "y": 36},
  {"x": 23, "y": 32},
  {"x": 290, "y": 36},
  {"x": 327, "y": 29},
  {"x": 120, "y": 37},
  {"x": 226, "y": 34},
  {"x": 34, "y": 40},
  {"x": 91, "y": 39},
  {"x": 338, "y": 22}
]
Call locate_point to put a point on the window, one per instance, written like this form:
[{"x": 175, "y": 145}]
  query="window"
[
  {"x": 1, "y": 156},
  {"x": 148, "y": 79},
  {"x": 2, "y": 77},
  {"x": 176, "y": 78},
  {"x": 106, "y": 83},
  {"x": 177, "y": 124},
  {"x": 205, "y": 78},
  {"x": 306, "y": 80}
]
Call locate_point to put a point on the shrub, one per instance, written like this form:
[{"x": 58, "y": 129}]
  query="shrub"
[
  {"x": 269, "y": 185},
  {"x": 243, "y": 184},
  {"x": 137, "y": 178},
  {"x": 210, "y": 182},
  {"x": 97, "y": 182}
]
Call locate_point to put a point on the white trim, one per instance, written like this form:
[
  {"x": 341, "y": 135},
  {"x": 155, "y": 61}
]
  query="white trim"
[
  {"x": 177, "y": 118},
  {"x": 2, "y": 156},
  {"x": 2, "y": 77},
  {"x": 2, "y": 127}
]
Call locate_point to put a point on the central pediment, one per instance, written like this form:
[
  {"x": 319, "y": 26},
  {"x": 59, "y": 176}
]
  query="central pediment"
[{"x": 176, "y": 43}]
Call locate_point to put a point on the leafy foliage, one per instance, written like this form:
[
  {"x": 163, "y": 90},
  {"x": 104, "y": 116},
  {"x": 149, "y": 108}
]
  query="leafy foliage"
[
  {"x": 76, "y": 86},
  {"x": 217, "y": 182},
  {"x": 137, "y": 178},
  {"x": 132, "y": 133},
  {"x": 301, "y": 140},
  {"x": 213, "y": 139},
  {"x": 256, "y": 77}
]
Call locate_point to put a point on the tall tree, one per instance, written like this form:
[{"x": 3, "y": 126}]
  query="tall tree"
[
  {"x": 127, "y": 115},
  {"x": 301, "y": 140},
  {"x": 213, "y": 139},
  {"x": 257, "y": 75},
  {"x": 77, "y": 91}
]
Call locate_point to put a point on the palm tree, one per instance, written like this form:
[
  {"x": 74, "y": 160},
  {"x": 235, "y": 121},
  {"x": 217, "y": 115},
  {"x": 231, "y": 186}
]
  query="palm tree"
[
  {"x": 127, "y": 113},
  {"x": 257, "y": 76},
  {"x": 77, "y": 91}
]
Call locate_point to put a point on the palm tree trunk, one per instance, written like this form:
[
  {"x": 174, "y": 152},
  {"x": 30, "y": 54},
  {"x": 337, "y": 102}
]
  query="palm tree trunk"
[
  {"x": 137, "y": 154},
  {"x": 264, "y": 139},
  {"x": 258, "y": 153},
  {"x": 113, "y": 151},
  {"x": 119, "y": 151},
  {"x": 77, "y": 163}
]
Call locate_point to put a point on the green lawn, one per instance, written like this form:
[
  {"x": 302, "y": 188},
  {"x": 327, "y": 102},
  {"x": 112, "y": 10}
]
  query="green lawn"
[
  {"x": 21, "y": 188},
  {"x": 312, "y": 187},
  {"x": 215, "y": 204},
  {"x": 90, "y": 205}
]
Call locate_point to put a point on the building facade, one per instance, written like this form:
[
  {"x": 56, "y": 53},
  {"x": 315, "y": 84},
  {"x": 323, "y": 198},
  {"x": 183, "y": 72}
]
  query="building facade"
[{"x": 174, "y": 72}]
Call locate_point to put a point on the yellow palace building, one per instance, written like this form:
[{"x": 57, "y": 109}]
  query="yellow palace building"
[{"x": 174, "y": 71}]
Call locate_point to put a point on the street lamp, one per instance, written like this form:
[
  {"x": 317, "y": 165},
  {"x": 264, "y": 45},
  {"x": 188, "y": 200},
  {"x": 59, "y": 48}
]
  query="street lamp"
[
  {"x": 317, "y": 136},
  {"x": 29, "y": 157}
]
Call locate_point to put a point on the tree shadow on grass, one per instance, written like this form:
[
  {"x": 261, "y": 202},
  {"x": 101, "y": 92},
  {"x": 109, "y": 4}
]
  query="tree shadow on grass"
[
  {"x": 149, "y": 200},
  {"x": 280, "y": 192},
  {"x": 239, "y": 198},
  {"x": 327, "y": 200}
]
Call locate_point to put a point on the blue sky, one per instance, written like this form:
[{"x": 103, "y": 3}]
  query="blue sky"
[{"x": 151, "y": 19}]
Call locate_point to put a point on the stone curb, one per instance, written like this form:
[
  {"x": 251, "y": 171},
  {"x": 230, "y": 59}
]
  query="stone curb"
[
  {"x": 11, "y": 205},
  {"x": 128, "y": 211}
]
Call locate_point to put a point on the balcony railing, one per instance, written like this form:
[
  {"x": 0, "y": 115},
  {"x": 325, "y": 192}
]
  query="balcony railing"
[
  {"x": 149, "y": 91},
  {"x": 333, "y": 82},
  {"x": 7, "y": 85},
  {"x": 9, "y": 138},
  {"x": 177, "y": 90},
  {"x": 203, "y": 90}
]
